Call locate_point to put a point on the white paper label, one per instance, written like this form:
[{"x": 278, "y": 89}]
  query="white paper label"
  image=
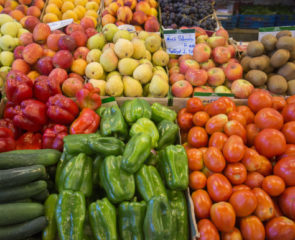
[
  {"x": 127, "y": 27},
  {"x": 60, "y": 24}
]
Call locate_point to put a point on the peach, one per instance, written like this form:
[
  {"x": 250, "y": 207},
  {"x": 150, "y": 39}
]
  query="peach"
[
  {"x": 113, "y": 8},
  {"x": 33, "y": 75},
  {"x": 41, "y": 32},
  {"x": 48, "y": 52},
  {"x": 52, "y": 41},
  {"x": 197, "y": 77},
  {"x": 81, "y": 52},
  {"x": 79, "y": 66},
  {"x": 90, "y": 32},
  {"x": 58, "y": 3},
  {"x": 20, "y": 65},
  {"x": 121, "y": 2},
  {"x": 139, "y": 18},
  {"x": 26, "y": 38},
  {"x": 25, "y": 2},
  {"x": 39, "y": 4},
  {"x": 75, "y": 75},
  {"x": 31, "y": 23},
  {"x": 32, "y": 53},
  {"x": 23, "y": 20},
  {"x": 22, "y": 8},
  {"x": 79, "y": 37},
  {"x": 50, "y": 17},
  {"x": 18, "y": 52},
  {"x": 59, "y": 75},
  {"x": 106, "y": 19},
  {"x": 152, "y": 3},
  {"x": 144, "y": 7},
  {"x": 175, "y": 77},
  {"x": 107, "y": 2},
  {"x": 71, "y": 86},
  {"x": 87, "y": 22},
  {"x": 6, "y": 10},
  {"x": 63, "y": 59},
  {"x": 152, "y": 25},
  {"x": 34, "y": 11},
  {"x": 17, "y": 14},
  {"x": 73, "y": 27},
  {"x": 207, "y": 65},
  {"x": 130, "y": 3},
  {"x": 216, "y": 77},
  {"x": 138, "y": 28},
  {"x": 182, "y": 89},
  {"x": 124, "y": 14},
  {"x": 12, "y": 4},
  {"x": 105, "y": 12},
  {"x": 153, "y": 12}
]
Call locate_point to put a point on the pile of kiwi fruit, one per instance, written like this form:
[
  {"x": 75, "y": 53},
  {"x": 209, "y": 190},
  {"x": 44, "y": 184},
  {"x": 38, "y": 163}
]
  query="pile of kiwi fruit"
[{"x": 270, "y": 63}]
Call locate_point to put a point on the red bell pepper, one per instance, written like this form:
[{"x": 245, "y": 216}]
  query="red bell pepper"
[
  {"x": 7, "y": 143},
  {"x": 18, "y": 87},
  {"x": 61, "y": 109},
  {"x": 53, "y": 137},
  {"x": 88, "y": 97},
  {"x": 29, "y": 140},
  {"x": 87, "y": 122},
  {"x": 8, "y": 123},
  {"x": 45, "y": 87}
]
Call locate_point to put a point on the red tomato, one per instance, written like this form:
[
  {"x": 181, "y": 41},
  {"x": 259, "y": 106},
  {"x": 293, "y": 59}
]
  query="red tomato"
[
  {"x": 286, "y": 202},
  {"x": 194, "y": 105},
  {"x": 183, "y": 135},
  {"x": 234, "y": 235},
  {"x": 207, "y": 230},
  {"x": 251, "y": 160},
  {"x": 197, "y": 180},
  {"x": 291, "y": 99},
  {"x": 244, "y": 202},
  {"x": 278, "y": 103},
  {"x": 238, "y": 117},
  {"x": 269, "y": 118},
  {"x": 247, "y": 113},
  {"x": 234, "y": 149},
  {"x": 214, "y": 160},
  {"x": 203, "y": 150},
  {"x": 285, "y": 168},
  {"x": 288, "y": 112},
  {"x": 252, "y": 131},
  {"x": 289, "y": 132},
  {"x": 280, "y": 228},
  {"x": 254, "y": 180},
  {"x": 216, "y": 107},
  {"x": 240, "y": 187},
  {"x": 218, "y": 187},
  {"x": 207, "y": 172},
  {"x": 197, "y": 137},
  {"x": 273, "y": 185},
  {"x": 270, "y": 142},
  {"x": 195, "y": 159},
  {"x": 185, "y": 119},
  {"x": 265, "y": 166},
  {"x": 290, "y": 151},
  {"x": 236, "y": 173},
  {"x": 265, "y": 206},
  {"x": 259, "y": 100},
  {"x": 202, "y": 203},
  {"x": 223, "y": 216},
  {"x": 230, "y": 105},
  {"x": 200, "y": 118},
  {"x": 252, "y": 228},
  {"x": 216, "y": 123},
  {"x": 277, "y": 209},
  {"x": 233, "y": 127},
  {"x": 218, "y": 140}
]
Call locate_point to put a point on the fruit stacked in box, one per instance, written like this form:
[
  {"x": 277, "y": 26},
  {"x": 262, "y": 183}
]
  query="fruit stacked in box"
[{"x": 241, "y": 161}]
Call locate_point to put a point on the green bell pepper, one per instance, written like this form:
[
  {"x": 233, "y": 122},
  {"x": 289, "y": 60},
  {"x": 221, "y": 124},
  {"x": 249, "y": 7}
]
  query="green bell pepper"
[
  {"x": 77, "y": 175},
  {"x": 70, "y": 215},
  {"x": 100, "y": 110},
  {"x": 158, "y": 222},
  {"x": 153, "y": 158},
  {"x": 136, "y": 152},
  {"x": 131, "y": 217},
  {"x": 95, "y": 169},
  {"x": 161, "y": 112},
  {"x": 168, "y": 132},
  {"x": 144, "y": 125},
  {"x": 102, "y": 216},
  {"x": 149, "y": 183},
  {"x": 174, "y": 166},
  {"x": 79, "y": 143},
  {"x": 112, "y": 123},
  {"x": 179, "y": 210},
  {"x": 118, "y": 184},
  {"x": 135, "y": 109},
  {"x": 107, "y": 146},
  {"x": 49, "y": 233},
  {"x": 61, "y": 163}
]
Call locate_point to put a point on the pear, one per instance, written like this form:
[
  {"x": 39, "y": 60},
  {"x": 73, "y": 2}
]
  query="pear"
[
  {"x": 143, "y": 73},
  {"x": 94, "y": 70},
  {"x": 143, "y": 35},
  {"x": 5, "y": 69},
  {"x": 122, "y": 34},
  {"x": 158, "y": 86},
  {"x": 139, "y": 48},
  {"x": 127, "y": 66},
  {"x": 124, "y": 48},
  {"x": 132, "y": 87},
  {"x": 9, "y": 28},
  {"x": 4, "y": 18},
  {"x": 114, "y": 86},
  {"x": 96, "y": 41},
  {"x": 163, "y": 75},
  {"x": 109, "y": 60},
  {"x": 142, "y": 61},
  {"x": 93, "y": 55},
  {"x": 109, "y": 45},
  {"x": 109, "y": 31},
  {"x": 6, "y": 58},
  {"x": 146, "y": 90},
  {"x": 7, "y": 43},
  {"x": 160, "y": 58},
  {"x": 101, "y": 84},
  {"x": 153, "y": 43},
  {"x": 148, "y": 55},
  {"x": 158, "y": 68},
  {"x": 113, "y": 73}
]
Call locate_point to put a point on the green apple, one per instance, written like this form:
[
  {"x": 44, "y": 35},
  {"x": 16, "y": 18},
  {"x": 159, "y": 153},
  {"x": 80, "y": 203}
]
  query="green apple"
[
  {"x": 4, "y": 18},
  {"x": 9, "y": 28},
  {"x": 7, "y": 43},
  {"x": 6, "y": 58}
]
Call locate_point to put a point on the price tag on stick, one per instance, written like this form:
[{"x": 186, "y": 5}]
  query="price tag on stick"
[{"x": 60, "y": 24}]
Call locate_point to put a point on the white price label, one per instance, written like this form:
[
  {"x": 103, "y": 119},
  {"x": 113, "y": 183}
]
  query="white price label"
[
  {"x": 127, "y": 27},
  {"x": 59, "y": 24}
]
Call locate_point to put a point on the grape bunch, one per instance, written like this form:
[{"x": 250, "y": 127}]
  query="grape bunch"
[{"x": 176, "y": 13}]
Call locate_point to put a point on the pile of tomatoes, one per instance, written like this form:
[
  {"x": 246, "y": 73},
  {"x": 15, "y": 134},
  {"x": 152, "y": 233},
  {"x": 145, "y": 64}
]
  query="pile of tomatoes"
[{"x": 242, "y": 166}]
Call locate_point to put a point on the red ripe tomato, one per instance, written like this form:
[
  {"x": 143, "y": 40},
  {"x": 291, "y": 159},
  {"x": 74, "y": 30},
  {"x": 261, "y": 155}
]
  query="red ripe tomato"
[
  {"x": 230, "y": 105},
  {"x": 233, "y": 127},
  {"x": 236, "y": 173},
  {"x": 234, "y": 115},
  {"x": 252, "y": 131},
  {"x": 270, "y": 142},
  {"x": 252, "y": 228},
  {"x": 216, "y": 123},
  {"x": 265, "y": 206},
  {"x": 218, "y": 140},
  {"x": 290, "y": 151},
  {"x": 200, "y": 118},
  {"x": 223, "y": 216},
  {"x": 259, "y": 100},
  {"x": 202, "y": 203},
  {"x": 288, "y": 112},
  {"x": 203, "y": 150},
  {"x": 195, "y": 159},
  {"x": 194, "y": 105},
  {"x": 285, "y": 168},
  {"x": 247, "y": 113},
  {"x": 254, "y": 180},
  {"x": 289, "y": 132},
  {"x": 241, "y": 187},
  {"x": 278, "y": 103},
  {"x": 197, "y": 180},
  {"x": 277, "y": 209},
  {"x": 291, "y": 99},
  {"x": 244, "y": 202},
  {"x": 251, "y": 160},
  {"x": 207, "y": 172},
  {"x": 273, "y": 185},
  {"x": 183, "y": 135},
  {"x": 234, "y": 149},
  {"x": 269, "y": 118},
  {"x": 234, "y": 235},
  {"x": 216, "y": 107},
  {"x": 280, "y": 228},
  {"x": 185, "y": 119},
  {"x": 207, "y": 230},
  {"x": 286, "y": 202},
  {"x": 265, "y": 166},
  {"x": 214, "y": 160},
  {"x": 197, "y": 137},
  {"x": 218, "y": 187}
]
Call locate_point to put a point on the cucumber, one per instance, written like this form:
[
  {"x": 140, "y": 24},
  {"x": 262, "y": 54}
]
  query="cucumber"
[
  {"x": 42, "y": 196},
  {"x": 21, "y": 192},
  {"x": 23, "y": 230},
  {"x": 22, "y": 175},
  {"x": 22, "y": 158},
  {"x": 13, "y": 213}
]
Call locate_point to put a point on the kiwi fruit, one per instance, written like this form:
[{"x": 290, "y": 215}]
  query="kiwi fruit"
[
  {"x": 288, "y": 71},
  {"x": 255, "y": 49},
  {"x": 279, "y": 58},
  {"x": 287, "y": 43},
  {"x": 283, "y": 34},
  {"x": 256, "y": 77},
  {"x": 269, "y": 42},
  {"x": 245, "y": 63},
  {"x": 277, "y": 84},
  {"x": 268, "y": 69},
  {"x": 292, "y": 55},
  {"x": 259, "y": 63},
  {"x": 291, "y": 87}
]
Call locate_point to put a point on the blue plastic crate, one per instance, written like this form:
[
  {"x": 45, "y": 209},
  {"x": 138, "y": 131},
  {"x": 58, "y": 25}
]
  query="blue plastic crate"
[
  {"x": 230, "y": 23},
  {"x": 285, "y": 20},
  {"x": 256, "y": 21}
]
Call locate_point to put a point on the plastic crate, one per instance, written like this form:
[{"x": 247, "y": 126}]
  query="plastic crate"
[
  {"x": 285, "y": 20},
  {"x": 256, "y": 21},
  {"x": 230, "y": 23}
]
